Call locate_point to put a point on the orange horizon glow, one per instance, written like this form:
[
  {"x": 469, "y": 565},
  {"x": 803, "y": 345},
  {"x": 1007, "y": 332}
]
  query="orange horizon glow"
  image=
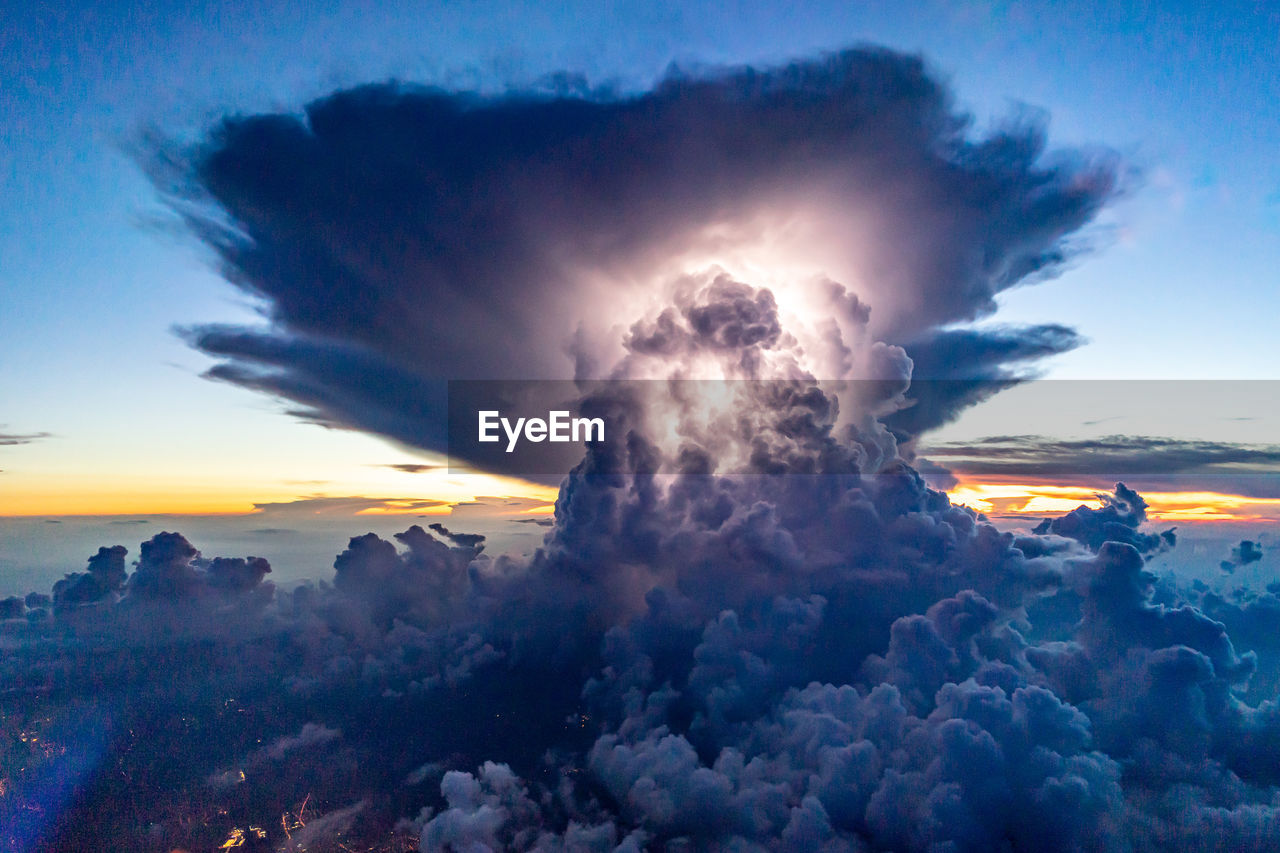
[
  {"x": 203, "y": 505},
  {"x": 1013, "y": 499},
  {"x": 93, "y": 498},
  {"x": 88, "y": 502},
  {"x": 56, "y": 497},
  {"x": 411, "y": 506}
]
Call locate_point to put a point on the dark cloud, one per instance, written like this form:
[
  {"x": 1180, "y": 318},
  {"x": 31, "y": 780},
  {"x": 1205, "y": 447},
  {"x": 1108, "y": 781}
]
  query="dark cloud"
[
  {"x": 403, "y": 235},
  {"x": 170, "y": 568},
  {"x": 105, "y": 577},
  {"x": 816, "y": 651},
  {"x": 790, "y": 661},
  {"x": 166, "y": 568},
  {"x": 11, "y": 439},
  {"x": 236, "y": 574},
  {"x": 1243, "y": 554},
  {"x": 937, "y": 476},
  {"x": 430, "y": 575},
  {"x": 953, "y": 369},
  {"x": 341, "y": 505},
  {"x": 1025, "y": 454},
  {"x": 339, "y": 385},
  {"x": 1118, "y": 520},
  {"x": 412, "y": 467},
  {"x": 817, "y": 659},
  {"x": 462, "y": 540},
  {"x": 1156, "y": 463}
]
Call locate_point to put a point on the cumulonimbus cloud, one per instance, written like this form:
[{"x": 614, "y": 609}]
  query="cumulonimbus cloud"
[
  {"x": 402, "y": 235},
  {"x": 825, "y": 654}
]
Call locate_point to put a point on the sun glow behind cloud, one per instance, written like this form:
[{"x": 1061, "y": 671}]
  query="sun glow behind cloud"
[
  {"x": 788, "y": 254},
  {"x": 793, "y": 246}
]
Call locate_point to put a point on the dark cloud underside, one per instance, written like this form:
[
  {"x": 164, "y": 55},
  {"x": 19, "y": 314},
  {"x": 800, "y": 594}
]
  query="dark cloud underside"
[
  {"x": 1247, "y": 469},
  {"x": 12, "y": 439}
]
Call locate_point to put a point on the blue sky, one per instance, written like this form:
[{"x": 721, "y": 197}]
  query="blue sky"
[{"x": 1183, "y": 283}]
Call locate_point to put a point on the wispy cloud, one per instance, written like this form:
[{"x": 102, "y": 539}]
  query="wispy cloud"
[
  {"x": 348, "y": 505},
  {"x": 12, "y": 438},
  {"x": 412, "y": 467},
  {"x": 1246, "y": 469}
]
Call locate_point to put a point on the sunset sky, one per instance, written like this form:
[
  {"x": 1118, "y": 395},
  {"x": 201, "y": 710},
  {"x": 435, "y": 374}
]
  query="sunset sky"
[
  {"x": 933, "y": 347},
  {"x": 105, "y": 409}
]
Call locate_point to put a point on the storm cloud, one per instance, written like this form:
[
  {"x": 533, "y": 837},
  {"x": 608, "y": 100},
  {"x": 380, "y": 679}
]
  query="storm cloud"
[
  {"x": 953, "y": 369},
  {"x": 822, "y": 662},
  {"x": 821, "y": 653},
  {"x": 772, "y": 635},
  {"x": 401, "y": 235}
]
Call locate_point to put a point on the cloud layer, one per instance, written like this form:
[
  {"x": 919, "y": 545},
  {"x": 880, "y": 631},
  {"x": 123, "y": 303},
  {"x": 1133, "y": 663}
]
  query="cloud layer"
[
  {"x": 816, "y": 651},
  {"x": 825, "y": 660}
]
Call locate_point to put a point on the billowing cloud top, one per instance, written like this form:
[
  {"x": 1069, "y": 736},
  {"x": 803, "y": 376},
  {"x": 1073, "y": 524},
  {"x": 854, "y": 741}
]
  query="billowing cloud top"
[{"x": 400, "y": 235}]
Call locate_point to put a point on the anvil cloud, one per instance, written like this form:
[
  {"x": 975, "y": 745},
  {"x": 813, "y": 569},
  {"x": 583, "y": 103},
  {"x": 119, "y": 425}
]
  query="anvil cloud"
[{"x": 401, "y": 235}]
